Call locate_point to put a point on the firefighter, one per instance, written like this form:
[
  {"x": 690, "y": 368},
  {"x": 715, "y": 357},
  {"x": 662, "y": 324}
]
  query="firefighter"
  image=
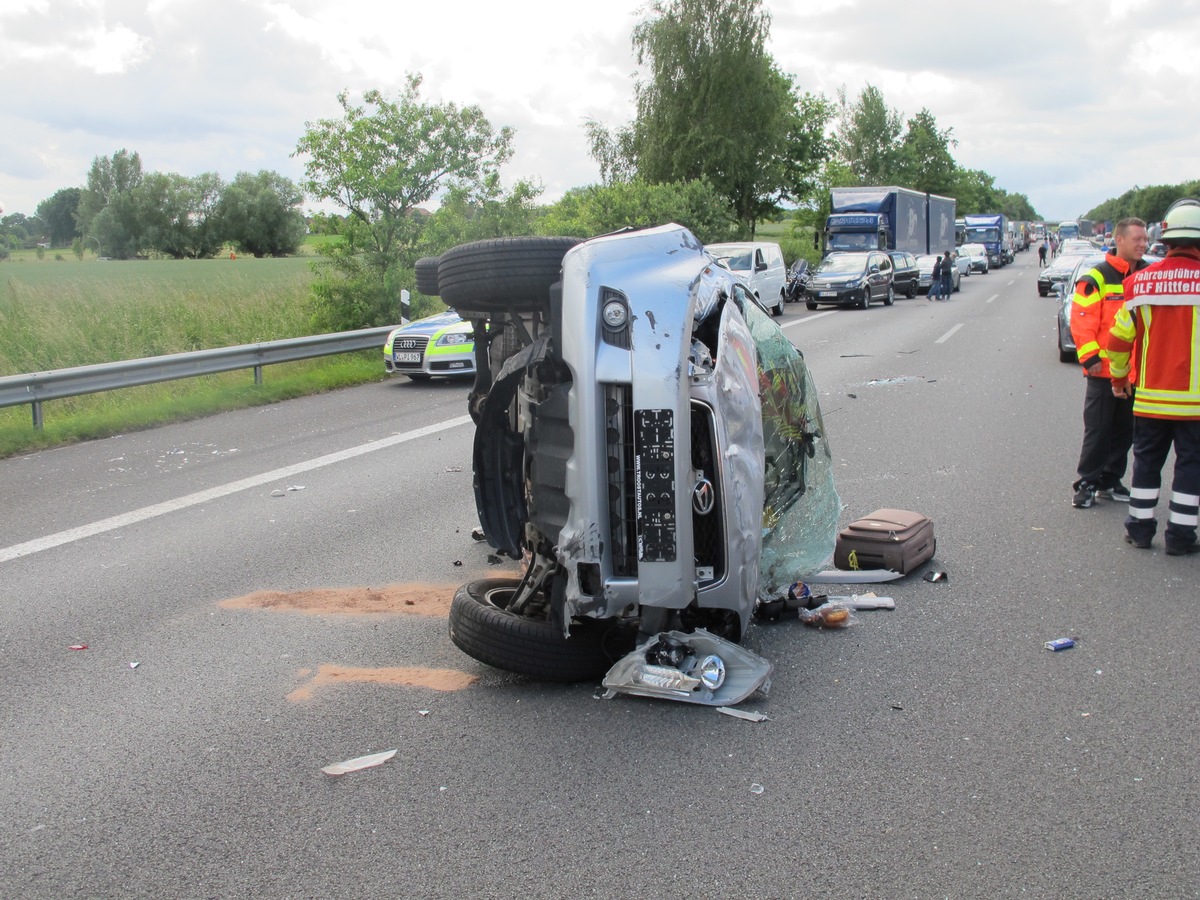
[
  {"x": 1157, "y": 332},
  {"x": 1107, "y": 419}
]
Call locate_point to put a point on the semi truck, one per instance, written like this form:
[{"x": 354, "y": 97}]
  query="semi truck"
[
  {"x": 888, "y": 218},
  {"x": 991, "y": 230}
]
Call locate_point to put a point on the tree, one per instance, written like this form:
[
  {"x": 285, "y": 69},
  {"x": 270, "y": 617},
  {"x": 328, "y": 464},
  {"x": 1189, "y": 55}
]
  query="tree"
[
  {"x": 1017, "y": 206},
  {"x": 176, "y": 214},
  {"x": 867, "y": 138},
  {"x": 715, "y": 106},
  {"x": 379, "y": 162},
  {"x": 260, "y": 214},
  {"x": 925, "y": 162},
  {"x": 483, "y": 211},
  {"x": 976, "y": 192},
  {"x": 58, "y": 212},
  {"x": 598, "y": 209},
  {"x": 107, "y": 209}
]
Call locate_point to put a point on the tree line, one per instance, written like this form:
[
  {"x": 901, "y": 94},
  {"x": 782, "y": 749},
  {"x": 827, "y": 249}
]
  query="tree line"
[{"x": 1146, "y": 203}]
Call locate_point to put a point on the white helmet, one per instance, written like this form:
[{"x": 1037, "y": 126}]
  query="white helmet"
[{"x": 1182, "y": 221}]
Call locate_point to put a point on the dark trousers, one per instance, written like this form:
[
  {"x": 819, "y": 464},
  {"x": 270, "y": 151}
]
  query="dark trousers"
[
  {"x": 1107, "y": 434},
  {"x": 947, "y": 284},
  {"x": 1152, "y": 439}
]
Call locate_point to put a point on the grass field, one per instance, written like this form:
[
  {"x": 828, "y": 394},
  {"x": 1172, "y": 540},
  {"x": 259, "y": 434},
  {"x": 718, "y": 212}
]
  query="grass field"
[{"x": 58, "y": 314}]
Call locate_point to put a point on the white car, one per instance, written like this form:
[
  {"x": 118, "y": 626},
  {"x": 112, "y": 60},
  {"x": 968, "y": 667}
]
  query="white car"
[
  {"x": 977, "y": 254},
  {"x": 760, "y": 264}
]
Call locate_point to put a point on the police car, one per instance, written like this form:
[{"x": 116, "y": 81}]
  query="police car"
[{"x": 442, "y": 344}]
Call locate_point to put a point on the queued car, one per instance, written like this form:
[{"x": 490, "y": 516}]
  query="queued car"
[
  {"x": 906, "y": 274},
  {"x": 925, "y": 264},
  {"x": 962, "y": 263},
  {"x": 441, "y": 344},
  {"x": 1059, "y": 271},
  {"x": 851, "y": 279},
  {"x": 760, "y": 265},
  {"x": 1076, "y": 247},
  {"x": 976, "y": 256},
  {"x": 1064, "y": 292}
]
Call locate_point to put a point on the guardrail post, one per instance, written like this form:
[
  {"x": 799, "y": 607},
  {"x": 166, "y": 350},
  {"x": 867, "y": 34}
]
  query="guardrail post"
[
  {"x": 37, "y": 414},
  {"x": 258, "y": 374}
]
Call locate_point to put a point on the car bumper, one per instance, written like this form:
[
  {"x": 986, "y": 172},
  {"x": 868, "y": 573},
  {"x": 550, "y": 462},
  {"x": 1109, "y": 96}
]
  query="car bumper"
[
  {"x": 430, "y": 361},
  {"x": 836, "y": 296}
]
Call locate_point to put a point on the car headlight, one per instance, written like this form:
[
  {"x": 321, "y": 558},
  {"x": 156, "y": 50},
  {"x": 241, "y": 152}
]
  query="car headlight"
[{"x": 453, "y": 339}]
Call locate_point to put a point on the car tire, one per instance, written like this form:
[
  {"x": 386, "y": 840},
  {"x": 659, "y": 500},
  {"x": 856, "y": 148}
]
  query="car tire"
[
  {"x": 1042, "y": 293},
  {"x": 890, "y": 297},
  {"x": 427, "y": 275},
  {"x": 502, "y": 274},
  {"x": 810, "y": 304},
  {"x": 485, "y": 630},
  {"x": 912, "y": 290},
  {"x": 865, "y": 300},
  {"x": 777, "y": 310}
]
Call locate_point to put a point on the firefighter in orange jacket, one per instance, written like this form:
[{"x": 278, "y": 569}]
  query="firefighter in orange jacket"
[
  {"x": 1107, "y": 420},
  {"x": 1155, "y": 343}
]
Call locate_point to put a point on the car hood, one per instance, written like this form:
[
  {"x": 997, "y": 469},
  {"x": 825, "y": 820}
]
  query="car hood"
[{"x": 434, "y": 324}]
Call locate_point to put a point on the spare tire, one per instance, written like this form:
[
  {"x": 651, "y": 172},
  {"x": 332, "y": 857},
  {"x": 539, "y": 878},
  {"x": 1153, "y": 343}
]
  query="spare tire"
[
  {"x": 427, "y": 275},
  {"x": 502, "y": 274}
]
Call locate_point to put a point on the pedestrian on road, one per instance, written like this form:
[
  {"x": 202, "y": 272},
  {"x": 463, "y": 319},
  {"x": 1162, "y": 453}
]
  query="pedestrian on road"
[
  {"x": 1107, "y": 417},
  {"x": 935, "y": 280},
  {"x": 947, "y": 276},
  {"x": 1155, "y": 343},
  {"x": 1042, "y": 251}
]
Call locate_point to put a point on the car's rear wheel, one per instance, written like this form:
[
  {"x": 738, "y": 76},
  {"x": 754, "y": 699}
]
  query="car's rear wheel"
[
  {"x": 912, "y": 290},
  {"x": 503, "y": 274},
  {"x": 777, "y": 310},
  {"x": 482, "y": 626}
]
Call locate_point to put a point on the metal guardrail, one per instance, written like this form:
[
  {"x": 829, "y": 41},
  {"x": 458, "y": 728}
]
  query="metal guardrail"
[{"x": 38, "y": 387}]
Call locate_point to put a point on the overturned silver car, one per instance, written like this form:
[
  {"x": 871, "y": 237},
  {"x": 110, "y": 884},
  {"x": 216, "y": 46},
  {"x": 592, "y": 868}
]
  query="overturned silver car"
[{"x": 647, "y": 441}]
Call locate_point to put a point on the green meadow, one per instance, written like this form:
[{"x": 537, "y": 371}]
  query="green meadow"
[{"x": 59, "y": 313}]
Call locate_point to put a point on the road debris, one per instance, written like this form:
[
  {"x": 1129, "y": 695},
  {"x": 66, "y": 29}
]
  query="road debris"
[
  {"x": 77, "y": 647},
  {"x": 1060, "y": 644},
  {"x": 756, "y": 788},
  {"x": 453, "y": 468},
  {"x": 277, "y": 493},
  {"x": 936, "y": 576},
  {"x": 477, "y": 534},
  {"x": 295, "y": 487},
  {"x": 134, "y": 665},
  {"x": 743, "y": 714},
  {"x": 361, "y": 762}
]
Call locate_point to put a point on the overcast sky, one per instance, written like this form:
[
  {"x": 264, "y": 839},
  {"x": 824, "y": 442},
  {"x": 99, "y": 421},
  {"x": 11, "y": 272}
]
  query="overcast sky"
[{"x": 1067, "y": 101}]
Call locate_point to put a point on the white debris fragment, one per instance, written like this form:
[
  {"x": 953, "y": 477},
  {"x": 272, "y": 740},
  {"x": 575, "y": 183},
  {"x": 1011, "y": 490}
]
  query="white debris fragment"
[
  {"x": 756, "y": 788},
  {"x": 743, "y": 714},
  {"x": 277, "y": 493},
  {"x": 295, "y": 487},
  {"x": 134, "y": 665},
  {"x": 361, "y": 762}
]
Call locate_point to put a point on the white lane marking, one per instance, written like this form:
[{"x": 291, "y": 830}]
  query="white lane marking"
[
  {"x": 991, "y": 298},
  {"x": 205, "y": 496},
  {"x": 821, "y": 315},
  {"x": 949, "y": 334}
]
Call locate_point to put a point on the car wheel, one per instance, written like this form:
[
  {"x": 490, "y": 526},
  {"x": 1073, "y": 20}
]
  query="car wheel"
[
  {"x": 865, "y": 300},
  {"x": 502, "y": 274},
  {"x": 1042, "y": 293},
  {"x": 912, "y": 290},
  {"x": 777, "y": 309},
  {"x": 427, "y": 275},
  {"x": 810, "y": 304},
  {"x": 890, "y": 297},
  {"x": 482, "y": 626}
]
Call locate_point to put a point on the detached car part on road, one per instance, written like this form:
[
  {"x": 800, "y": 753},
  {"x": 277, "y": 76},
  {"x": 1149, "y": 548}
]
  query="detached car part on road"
[{"x": 647, "y": 441}]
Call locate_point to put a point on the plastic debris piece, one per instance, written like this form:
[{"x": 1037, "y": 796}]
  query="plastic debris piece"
[
  {"x": 458, "y": 562},
  {"x": 866, "y": 601},
  {"x": 295, "y": 487},
  {"x": 828, "y": 615},
  {"x": 453, "y": 468},
  {"x": 743, "y": 714},
  {"x": 756, "y": 789},
  {"x": 77, "y": 647},
  {"x": 422, "y": 712},
  {"x": 477, "y": 534},
  {"x": 277, "y": 493},
  {"x": 494, "y": 559},
  {"x": 1060, "y": 644},
  {"x": 936, "y": 576},
  {"x": 859, "y": 576},
  {"x": 361, "y": 762},
  {"x": 134, "y": 665}
]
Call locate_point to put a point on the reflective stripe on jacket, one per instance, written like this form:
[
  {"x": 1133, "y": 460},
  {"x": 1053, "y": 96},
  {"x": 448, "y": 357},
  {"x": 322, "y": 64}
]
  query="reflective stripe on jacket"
[
  {"x": 1098, "y": 296},
  {"x": 1157, "y": 334}
]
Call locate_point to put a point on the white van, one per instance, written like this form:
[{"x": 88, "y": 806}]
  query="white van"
[{"x": 760, "y": 264}]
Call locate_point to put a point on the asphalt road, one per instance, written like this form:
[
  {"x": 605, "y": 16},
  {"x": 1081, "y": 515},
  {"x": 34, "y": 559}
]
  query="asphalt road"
[{"x": 935, "y": 750}]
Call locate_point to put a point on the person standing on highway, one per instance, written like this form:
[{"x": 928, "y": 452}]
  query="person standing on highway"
[
  {"x": 1107, "y": 418},
  {"x": 1042, "y": 251},
  {"x": 935, "y": 280},
  {"x": 1156, "y": 336},
  {"x": 947, "y": 276}
]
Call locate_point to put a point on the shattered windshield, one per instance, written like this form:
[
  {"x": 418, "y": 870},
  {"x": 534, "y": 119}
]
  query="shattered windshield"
[{"x": 801, "y": 505}]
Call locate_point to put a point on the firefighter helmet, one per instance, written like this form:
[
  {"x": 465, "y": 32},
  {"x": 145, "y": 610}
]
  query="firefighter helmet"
[{"x": 1182, "y": 221}]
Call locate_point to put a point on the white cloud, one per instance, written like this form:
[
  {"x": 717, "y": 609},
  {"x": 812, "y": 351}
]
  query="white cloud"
[{"x": 1066, "y": 102}]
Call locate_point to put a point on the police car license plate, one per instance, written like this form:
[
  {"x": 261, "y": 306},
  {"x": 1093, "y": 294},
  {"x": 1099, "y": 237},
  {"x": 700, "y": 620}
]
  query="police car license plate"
[
  {"x": 406, "y": 357},
  {"x": 828, "y": 293}
]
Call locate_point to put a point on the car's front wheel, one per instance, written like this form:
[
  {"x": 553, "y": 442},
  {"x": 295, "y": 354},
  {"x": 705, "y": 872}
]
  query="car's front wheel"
[
  {"x": 810, "y": 304},
  {"x": 503, "y": 274},
  {"x": 890, "y": 297},
  {"x": 483, "y": 627}
]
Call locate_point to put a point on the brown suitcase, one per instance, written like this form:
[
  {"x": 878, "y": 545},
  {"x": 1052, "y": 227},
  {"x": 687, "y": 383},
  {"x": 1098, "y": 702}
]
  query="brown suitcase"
[{"x": 895, "y": 539}]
